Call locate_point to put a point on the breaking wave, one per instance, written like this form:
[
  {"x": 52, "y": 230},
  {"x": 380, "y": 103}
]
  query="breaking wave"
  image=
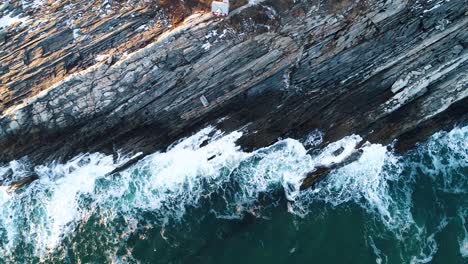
[{"x": 209, "y": 173}]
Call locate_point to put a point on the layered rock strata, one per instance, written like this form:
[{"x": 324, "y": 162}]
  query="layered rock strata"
[{"x": 383, "y": 69}]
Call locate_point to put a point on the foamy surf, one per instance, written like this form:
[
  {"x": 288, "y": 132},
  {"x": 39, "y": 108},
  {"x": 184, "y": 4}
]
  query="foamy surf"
[{"x": 208, "y": 172}]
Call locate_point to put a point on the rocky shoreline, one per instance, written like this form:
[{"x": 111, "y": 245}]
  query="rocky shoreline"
[{"x": 387, "y": 70}]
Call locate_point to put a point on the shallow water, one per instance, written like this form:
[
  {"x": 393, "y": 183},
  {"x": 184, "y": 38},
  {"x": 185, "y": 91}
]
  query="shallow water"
[{"x": 213, "y": 203}]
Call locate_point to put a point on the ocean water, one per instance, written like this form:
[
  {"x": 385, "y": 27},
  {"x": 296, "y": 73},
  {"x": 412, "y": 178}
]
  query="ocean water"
[{"x": 204, "y": 200}]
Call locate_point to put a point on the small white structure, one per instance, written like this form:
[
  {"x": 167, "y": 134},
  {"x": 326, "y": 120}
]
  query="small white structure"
[
  {"x": 204, "y": 101},
  {"x": 220, "y": 9}
]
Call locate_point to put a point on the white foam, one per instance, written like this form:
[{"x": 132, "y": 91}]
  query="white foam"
[
  {"x": 175, "y": 179},
  {"x": 347, "y": 146},
  {"x": 313, "y": 139},
  {"x": 210, "y": 164},
  {"x": 464, "y": 247},
  {"x": 366, "y": 183},
  {"x": 445, "y": 158},
  {"x": 380, "y": 257},
  {"x": 50, "y": 204},
  {"x": 63, "y": 204},
  {"x": 164, "y": 183},
  {"x": 8, "y": 20},
  {"x": 428, "y": 243}
]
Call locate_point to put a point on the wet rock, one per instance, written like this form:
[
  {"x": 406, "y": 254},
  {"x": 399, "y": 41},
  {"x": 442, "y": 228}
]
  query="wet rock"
[
  {"x": 320, "y": 172},
  {"x": 384, "y": 69},
  {"x": 126, "y": 164},
  {"x": 4, "y": 6},
  {"x": 14, "y": 186},
  {"x": 2, "y": 36}
]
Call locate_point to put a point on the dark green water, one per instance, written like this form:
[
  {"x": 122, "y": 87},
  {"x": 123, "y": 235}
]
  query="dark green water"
[{"x": 184, "y": 206}]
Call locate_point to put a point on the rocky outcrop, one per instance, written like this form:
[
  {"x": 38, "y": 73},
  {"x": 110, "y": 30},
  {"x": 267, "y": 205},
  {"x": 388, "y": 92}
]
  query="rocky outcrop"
[
  {"x": 57, "y": 38},
  {"x": 383, "y": 69}
]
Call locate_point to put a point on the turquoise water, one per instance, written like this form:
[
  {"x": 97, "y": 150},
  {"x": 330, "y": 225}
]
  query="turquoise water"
[{"x": 213, "y": 203}]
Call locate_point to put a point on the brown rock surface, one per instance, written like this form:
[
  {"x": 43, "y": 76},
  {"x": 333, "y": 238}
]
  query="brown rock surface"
[{"x": 383, "y": 69}]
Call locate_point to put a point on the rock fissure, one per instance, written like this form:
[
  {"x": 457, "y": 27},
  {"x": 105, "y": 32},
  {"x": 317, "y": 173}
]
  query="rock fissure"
[{"x": 382, "y": 69}]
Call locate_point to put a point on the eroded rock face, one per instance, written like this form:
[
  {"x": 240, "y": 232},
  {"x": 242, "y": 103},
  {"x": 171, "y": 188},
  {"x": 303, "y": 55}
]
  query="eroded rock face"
[
  {"x": 383, "y": 69},
  {"x": 57, "y": 38}
]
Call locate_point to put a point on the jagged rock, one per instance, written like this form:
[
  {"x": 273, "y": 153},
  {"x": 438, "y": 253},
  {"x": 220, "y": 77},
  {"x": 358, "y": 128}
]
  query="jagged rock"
[
  {"x": 2, "y": 36},
  {"x": 20, "y": 183},
  {"x": 383, "y": 69}
]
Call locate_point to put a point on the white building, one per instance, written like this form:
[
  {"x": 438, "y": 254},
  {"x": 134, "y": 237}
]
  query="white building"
[{"x": 219, "y": 8}]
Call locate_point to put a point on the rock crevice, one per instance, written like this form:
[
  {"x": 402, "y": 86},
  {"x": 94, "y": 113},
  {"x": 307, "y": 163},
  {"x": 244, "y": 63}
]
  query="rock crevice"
[{"x": 384, "y": 69}]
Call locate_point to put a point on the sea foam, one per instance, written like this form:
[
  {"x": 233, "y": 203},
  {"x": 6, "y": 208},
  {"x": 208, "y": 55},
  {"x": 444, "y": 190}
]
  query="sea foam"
[{"x": 210, "y": 166}]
